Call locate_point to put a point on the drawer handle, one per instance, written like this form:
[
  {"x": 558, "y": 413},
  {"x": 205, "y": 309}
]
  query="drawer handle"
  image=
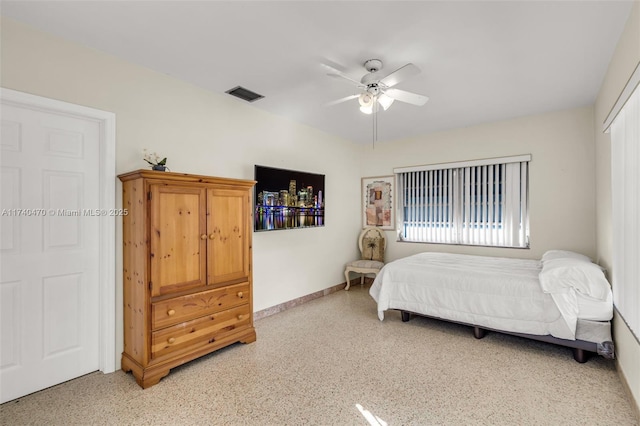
[
  {"x": 203, "y": 236},
  {"x": 171, "y": 340},
  {"x": 171, "y": 312},
  {"x": 212, "y": 236},
  {"x": 240, "y": 294},
  {"x": 240, "y": 316}
]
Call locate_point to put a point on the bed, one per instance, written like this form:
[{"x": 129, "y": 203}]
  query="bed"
[{"x": 563, "y": 298}]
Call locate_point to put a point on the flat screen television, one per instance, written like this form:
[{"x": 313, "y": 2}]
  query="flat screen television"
[{"x": 287, "y": 199}]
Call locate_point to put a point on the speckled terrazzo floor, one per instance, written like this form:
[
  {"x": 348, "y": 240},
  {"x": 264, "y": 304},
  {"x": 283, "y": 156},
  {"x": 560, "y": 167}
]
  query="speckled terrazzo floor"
[{"x": 316, "y": 364}]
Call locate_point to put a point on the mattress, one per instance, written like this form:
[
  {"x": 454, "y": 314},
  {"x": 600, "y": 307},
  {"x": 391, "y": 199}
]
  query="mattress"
[{"x": 493, "y": 292}]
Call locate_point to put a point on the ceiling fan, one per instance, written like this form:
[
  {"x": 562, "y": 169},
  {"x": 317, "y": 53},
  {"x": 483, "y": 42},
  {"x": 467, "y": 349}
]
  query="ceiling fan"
[{"x": 377, "y": 88}]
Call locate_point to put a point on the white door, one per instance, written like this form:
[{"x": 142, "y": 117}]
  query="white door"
[{"x": 49, "y": 242}]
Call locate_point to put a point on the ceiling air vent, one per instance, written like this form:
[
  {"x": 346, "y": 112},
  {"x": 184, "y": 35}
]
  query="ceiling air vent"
[{"x": 245, "y": 94}]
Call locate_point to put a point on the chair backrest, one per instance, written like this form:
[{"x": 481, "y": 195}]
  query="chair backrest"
[{"x": 371, "y": 243}]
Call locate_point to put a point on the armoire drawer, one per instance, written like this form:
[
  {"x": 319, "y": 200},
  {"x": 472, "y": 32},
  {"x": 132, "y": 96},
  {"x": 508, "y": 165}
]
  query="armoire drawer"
[
  {"x": 185, "y": 308},
  {"x": 199, "y": 332}
]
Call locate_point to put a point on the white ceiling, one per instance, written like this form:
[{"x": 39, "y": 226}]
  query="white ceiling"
[{"x": 481, "y": 61}]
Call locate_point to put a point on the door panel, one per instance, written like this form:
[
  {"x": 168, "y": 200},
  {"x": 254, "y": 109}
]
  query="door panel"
[
  {"x": 227, "y": 229},
  {"x": 9, "y": 225},
  {"x": 178, "y": 238},
  {"x": 62, "y": 193},
  {"x": 11, "y": 322}
]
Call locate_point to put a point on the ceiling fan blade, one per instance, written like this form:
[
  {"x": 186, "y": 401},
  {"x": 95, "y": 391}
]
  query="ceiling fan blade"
[
  {"x": 339, "y": 101},
  {"x": 331, "y": 71},
  {"x": 408, "y": 97},
  {"x": 400, "y": 74}
]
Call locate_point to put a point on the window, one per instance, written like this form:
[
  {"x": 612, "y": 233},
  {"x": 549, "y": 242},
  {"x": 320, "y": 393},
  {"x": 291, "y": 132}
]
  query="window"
[{"x": 482, "y": 202}]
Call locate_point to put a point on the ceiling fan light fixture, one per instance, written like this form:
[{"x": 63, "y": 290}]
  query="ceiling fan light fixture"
[
  {"x": 368, "y": 109},
  {"x": 365, "y": 99},
  {"x": 385, "y": 101}
]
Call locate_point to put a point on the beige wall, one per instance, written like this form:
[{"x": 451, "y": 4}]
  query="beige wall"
[
  {"x": 204, "y": 133},
  {"x": 562, "y": 199},
  {"x": 624, "y": 61}
]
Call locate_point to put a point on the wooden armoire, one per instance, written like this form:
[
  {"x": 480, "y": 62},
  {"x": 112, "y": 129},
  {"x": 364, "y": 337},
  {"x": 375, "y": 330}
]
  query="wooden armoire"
[{"x": 187, "y": 269}]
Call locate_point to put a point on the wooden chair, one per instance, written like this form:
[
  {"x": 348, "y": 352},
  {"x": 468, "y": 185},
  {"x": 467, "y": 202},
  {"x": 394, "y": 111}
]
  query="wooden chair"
[{"x": 371, "y": 243}]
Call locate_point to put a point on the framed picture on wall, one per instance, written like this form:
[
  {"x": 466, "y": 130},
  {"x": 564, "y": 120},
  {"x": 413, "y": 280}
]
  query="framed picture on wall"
[
  {"x": 378, "y": 202},
  {"x": 287, "y": 199}
]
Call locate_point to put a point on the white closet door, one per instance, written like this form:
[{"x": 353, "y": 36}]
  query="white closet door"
[{"x": 49, "y": 245}]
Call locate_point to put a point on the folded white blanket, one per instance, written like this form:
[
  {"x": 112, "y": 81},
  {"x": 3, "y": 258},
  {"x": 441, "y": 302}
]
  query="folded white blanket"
[{"x": 564, "y": 278}]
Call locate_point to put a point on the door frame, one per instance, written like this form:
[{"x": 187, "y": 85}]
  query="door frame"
[{"x": 107, "y": 185}]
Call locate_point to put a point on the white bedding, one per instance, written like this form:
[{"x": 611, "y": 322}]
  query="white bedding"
[
  {"x": 590, "y": 308},
  {"x": 499, "y": 293}
]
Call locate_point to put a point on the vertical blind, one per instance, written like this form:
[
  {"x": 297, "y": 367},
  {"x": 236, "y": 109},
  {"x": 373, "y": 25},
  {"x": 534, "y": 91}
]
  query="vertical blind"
[
  {"x": 625, "y": 182},
  {"x": 484, "y": 202}
]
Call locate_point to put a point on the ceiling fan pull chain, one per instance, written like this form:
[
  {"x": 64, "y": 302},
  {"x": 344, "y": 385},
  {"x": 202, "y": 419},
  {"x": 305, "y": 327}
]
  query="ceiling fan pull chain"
[
  {"x": 373, "y": 131},
  {"x": 375, "y": 122}
]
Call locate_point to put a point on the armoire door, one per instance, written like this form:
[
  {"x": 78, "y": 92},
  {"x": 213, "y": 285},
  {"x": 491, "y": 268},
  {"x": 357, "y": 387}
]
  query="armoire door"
[
  {"x": 228, "y": 230},
  {"x": 178, "y": 238}
]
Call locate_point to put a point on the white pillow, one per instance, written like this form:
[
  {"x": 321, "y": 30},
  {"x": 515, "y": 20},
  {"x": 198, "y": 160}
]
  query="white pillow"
[
  {"x": 558, "y": 275},
  {"x": 563, "y": 254}
]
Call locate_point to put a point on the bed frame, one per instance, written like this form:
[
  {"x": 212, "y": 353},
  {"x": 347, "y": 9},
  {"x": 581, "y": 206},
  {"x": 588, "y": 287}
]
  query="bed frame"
[{"x": 582, "y": 350}]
